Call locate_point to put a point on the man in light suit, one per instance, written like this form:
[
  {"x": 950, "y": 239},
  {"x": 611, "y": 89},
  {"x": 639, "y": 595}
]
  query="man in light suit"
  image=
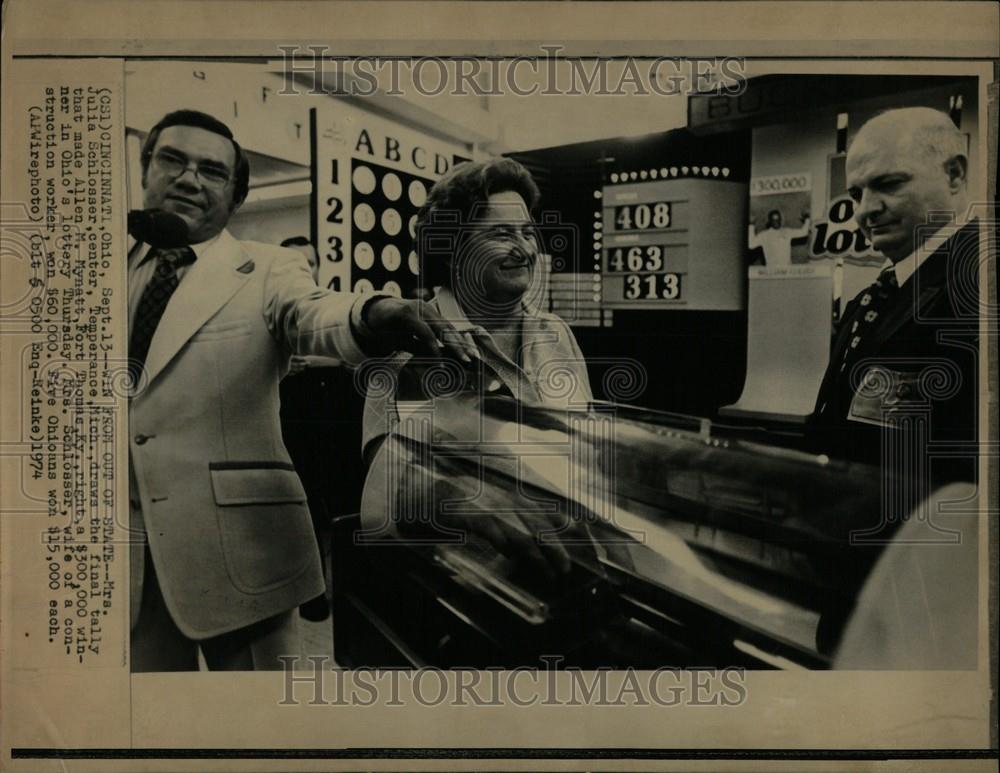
[
  {"x": 222, "y": 549},
  {"x": 902, "y": 377}
]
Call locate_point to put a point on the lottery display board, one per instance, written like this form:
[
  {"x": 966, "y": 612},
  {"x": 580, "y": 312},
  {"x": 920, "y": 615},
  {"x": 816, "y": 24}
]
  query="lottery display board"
[
  {"x": 673, "y": 244},
  {"x": 370, "y": 177},
  {"x": 383, "y": 219}
]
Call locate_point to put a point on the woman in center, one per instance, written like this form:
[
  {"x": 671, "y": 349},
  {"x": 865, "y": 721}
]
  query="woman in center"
[{"x": 479, "y": 250}]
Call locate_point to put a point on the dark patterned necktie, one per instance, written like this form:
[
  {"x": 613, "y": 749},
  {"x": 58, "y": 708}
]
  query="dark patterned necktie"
[
  {"x": 153, "y": 303},
  {"x": 871, "y": 306}
]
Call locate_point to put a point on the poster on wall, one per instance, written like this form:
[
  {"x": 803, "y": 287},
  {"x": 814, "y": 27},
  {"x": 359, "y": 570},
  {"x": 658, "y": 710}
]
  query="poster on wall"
[
  {"x": 780, "y": 219},
  {"x": 370, "y": 178},
  {"x": 838, "y": 236}
]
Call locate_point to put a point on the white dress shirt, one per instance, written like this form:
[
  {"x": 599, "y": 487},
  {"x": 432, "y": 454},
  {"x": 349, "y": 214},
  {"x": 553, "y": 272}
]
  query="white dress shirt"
[
  {"x": 141, "y": 270},
  {"x": 908, "y": 266}
]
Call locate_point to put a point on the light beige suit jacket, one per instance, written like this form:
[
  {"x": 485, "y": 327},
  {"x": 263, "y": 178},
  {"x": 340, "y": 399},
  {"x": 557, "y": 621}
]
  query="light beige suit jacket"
[{"x": 214, "y": 489}]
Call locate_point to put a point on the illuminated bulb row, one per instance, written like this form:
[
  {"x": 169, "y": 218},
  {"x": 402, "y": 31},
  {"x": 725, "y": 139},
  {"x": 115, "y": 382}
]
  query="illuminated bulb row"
[
  {"x": 664, "y": 173},
  {"x": 598, "y": 236}
]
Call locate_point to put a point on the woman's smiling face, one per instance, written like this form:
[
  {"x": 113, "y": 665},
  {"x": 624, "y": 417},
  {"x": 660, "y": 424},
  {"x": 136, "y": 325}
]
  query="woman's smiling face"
[{"x": 497, "y": 261}]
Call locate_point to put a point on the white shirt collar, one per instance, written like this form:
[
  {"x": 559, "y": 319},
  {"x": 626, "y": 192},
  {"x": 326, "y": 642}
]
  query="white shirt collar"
[
  {"x": 201, "y": 249},
  {"x": 908, "y": 266},
  {"x": 451, "y": 310},
  {"x": 448, "y": 306}
]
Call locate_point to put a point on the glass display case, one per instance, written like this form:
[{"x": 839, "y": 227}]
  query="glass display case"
[{"x": 685, "y": 548}]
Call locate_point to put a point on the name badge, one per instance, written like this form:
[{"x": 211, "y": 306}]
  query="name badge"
[{"x": 885, "y": 396}]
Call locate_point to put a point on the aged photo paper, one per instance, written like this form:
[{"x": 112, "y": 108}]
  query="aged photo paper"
[{"x": 398, "y": 385}]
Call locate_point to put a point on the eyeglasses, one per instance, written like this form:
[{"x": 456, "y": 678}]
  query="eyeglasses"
[
  {"x": 527, "y": 231},
  {"x": 175, "y": 164}
]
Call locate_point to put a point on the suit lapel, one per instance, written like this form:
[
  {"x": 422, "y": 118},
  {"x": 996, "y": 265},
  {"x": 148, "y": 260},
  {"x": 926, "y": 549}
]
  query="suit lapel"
[
  {"x": 832, "y": 376},
  {"x": 135, "y": 249},
  {"x": 929, "y": 282},
  {"x": 210, "y": 282}
]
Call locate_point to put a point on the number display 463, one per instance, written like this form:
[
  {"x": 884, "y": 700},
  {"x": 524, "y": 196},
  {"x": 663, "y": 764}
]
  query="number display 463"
[{"x": 637, "y": 258}]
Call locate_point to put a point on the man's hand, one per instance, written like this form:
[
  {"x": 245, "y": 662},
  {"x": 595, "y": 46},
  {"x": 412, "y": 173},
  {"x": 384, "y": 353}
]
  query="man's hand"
[
  {"x": 414, "y": 326},
  {"x": 297, "y": 364}
]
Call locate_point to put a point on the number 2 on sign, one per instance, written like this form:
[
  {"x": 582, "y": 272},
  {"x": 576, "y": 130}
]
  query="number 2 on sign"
[{"x": 652, "y": 287}]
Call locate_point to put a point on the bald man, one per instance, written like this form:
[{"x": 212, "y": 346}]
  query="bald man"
[{"x": 900, "y": 388}]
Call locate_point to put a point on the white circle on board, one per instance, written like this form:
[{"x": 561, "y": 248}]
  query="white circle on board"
[
  {"x": 364, "y": 179},
  {"x": 413, "y": 226},
  {"x": 391, "y": 257},
  {"x": 417, "y": 193},
  {"x": 414, "y": 263},
  {"x": 392, "y": 187},
  {"x": 364, "y": 286},
  {"x": 393, "y": 288},
  {"x": 364, "y": 255},
  {"x": 364, "y": 217},
  {"x": 392, "y": 223}
]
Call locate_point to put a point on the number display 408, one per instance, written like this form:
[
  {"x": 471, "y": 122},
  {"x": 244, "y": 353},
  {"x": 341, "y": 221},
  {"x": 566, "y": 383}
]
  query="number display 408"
[{"x": 639, "y": 217}]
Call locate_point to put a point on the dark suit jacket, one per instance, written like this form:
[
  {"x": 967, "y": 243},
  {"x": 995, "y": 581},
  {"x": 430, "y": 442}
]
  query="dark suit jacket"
[{"x": 921, "y": 362}]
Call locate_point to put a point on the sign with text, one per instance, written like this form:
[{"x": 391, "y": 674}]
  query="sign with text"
[
  {"x": 370, "y": 177},
  {"x": 673, "y": 244},
  {"x": 779, "y": 217},
  {"x": 839, "y": 236}
]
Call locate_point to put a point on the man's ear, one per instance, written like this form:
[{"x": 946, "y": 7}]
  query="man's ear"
[{"x": 956, "y": 168}]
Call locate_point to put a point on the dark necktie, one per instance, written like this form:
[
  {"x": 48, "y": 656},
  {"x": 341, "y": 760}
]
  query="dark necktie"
[
  {"x": 153, "y": 303},
  {"x": 871, "y": 306}
]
